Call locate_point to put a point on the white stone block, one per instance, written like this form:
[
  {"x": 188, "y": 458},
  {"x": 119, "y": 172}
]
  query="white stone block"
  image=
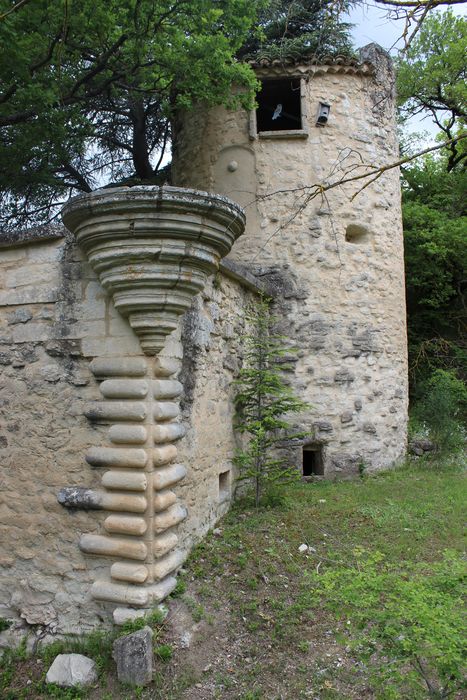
[
  {"x": 113, "y": 547},
  {"x": 125, "y": 525},
  {"x": 117, "y": 457},
  {"x": 133, "y": 434},
  {"x": 124, "y": 388},
  {"x": 125, "y": 480},
  {"x": 70, "y": 670}
]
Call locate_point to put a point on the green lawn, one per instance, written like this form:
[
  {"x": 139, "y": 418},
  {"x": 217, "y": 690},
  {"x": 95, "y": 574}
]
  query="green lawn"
[{"x": 371, "y": 610}]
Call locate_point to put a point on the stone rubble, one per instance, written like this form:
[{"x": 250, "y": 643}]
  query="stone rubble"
[
  {"x": 71, "y": 670},
  {"x": 133, "y": 655}
]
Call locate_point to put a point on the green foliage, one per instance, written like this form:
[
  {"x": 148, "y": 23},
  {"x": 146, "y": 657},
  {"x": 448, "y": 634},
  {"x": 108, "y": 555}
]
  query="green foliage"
[
  {"x": 412, "y": 621},
  {"x": 442, "y": 407},
  {"x": 88, "y": 88},
  {"x": 294, "y": 29},
  {"x": 435, "y": 223},
  {"x": 97, "y": 645},
  {"x": 4, "y": 624},
  {"x": 262, "y": 402},
  {"x": 179, "y": 589},
  {"x": 164, "y": 652},
  {"x": 431, "y": 77},
  {"x": 432, "y": 71}
]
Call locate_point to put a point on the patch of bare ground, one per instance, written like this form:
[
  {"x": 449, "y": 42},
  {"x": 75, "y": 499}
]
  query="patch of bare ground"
[
  {"x": 232, "y": 656},
  {"x": 251, "y": 620}
]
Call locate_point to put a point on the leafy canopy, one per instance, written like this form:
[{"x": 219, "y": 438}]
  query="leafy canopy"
[
  {"x": 297, "y": 28},
  {"x": 431, "y": 77},
  {"x": 87, "y": 88}
]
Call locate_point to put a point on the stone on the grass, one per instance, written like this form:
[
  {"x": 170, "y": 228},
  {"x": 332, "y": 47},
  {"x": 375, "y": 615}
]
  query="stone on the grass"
[
  {"x": 419, "y": 446},
  {"x": 134, "y": 658},
  {"x": 303, "y": 548},
  {"x": 69, "y": 670},
  {"x": 122, "y": 615}
]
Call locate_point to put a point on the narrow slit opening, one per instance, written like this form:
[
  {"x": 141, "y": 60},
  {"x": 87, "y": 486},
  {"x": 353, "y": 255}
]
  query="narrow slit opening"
[
  {"x": 224, "y": 486},
  {"x": 312, "y": 461}
]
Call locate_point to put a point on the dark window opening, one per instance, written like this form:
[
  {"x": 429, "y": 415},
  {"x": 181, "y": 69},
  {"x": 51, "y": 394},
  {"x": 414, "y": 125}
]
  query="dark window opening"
[
  {"x": 313, "y": 464},
  {"x": 224, "y": 486},
  {"x": 279, "y": 106}
]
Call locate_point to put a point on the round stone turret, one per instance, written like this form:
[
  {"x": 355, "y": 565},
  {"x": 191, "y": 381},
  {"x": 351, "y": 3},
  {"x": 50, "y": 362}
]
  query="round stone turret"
[{"x": 333, "y": 251}]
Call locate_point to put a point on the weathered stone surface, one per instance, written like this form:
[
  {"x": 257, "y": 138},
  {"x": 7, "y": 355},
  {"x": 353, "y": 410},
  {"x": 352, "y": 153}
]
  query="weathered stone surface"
[
  {"x": 341, "y": 303},
  {"x": 340, "y": 296},
  {"x": 122, "y": 615},
  {"x": 153, "y": 277},
  {"x": 420, "y": 446},
  {"x": 71, "y": 670},
  {"x": 118, "y": 367},
  {"x": 19, "y": 316},
  {"x": 134, "y": 657}
]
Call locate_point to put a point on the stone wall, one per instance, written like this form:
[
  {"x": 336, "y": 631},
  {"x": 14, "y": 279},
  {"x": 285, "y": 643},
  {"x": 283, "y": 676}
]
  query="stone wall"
[
  {"x": 55, "y": 319},
  {"x": 335, "y": 258}
]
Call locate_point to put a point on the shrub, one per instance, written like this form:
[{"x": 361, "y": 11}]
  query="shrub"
[{"x": 442, "y": 408}]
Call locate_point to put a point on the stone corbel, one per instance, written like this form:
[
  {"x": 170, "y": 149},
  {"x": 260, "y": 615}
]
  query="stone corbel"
[{"x": 152, "y": 249}]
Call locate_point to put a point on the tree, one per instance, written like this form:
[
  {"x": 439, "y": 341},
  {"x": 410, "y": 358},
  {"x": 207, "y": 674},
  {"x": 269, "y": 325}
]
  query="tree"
[
  {"x": 293, "y": 28},
  {"x": 432, "y": 78},
  {"x": 87, "y": 89},
  {"x": 262, "y": 402}
]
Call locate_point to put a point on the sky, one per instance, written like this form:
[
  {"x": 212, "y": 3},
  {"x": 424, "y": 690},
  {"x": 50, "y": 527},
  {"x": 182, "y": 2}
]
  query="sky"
[{"x": 371, "y": 24}]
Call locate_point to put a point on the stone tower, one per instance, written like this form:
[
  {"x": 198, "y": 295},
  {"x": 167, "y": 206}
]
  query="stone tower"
[{"x": 333, "y": 256}]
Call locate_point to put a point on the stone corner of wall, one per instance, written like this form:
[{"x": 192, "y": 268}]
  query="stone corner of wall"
[
  {"x": 247, "y": 279},
  {"x": 36, "y": 234}
]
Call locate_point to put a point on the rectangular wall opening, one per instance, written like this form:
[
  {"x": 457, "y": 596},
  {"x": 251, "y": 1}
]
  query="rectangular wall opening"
[
  {"x": 279, "y": 106},
  {"x": 312, "y": 461},
  {"x": 224, "y": 486}
]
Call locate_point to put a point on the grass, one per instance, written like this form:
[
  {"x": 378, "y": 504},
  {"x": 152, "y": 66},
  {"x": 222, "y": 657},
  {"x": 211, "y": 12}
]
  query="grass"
[{"x": 283, "y": 624}]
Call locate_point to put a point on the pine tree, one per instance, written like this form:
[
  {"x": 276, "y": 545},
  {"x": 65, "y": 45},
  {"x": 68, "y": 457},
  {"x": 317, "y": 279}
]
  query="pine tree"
[{"x": 262, "y": 403}]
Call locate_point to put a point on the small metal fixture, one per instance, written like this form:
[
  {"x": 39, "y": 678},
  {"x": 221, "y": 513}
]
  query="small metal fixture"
[{"x": 323, "y": 113}]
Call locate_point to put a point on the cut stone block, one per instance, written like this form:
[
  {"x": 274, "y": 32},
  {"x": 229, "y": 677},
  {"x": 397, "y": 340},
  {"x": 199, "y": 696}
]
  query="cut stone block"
[
  {"x": 109, "y": 411},
  {"x": 119, "y": 367},
  {"x": 134, "y": 573},
  {"x": 116, "y": 457},
  {"x": 125, "y": 525},
  {"x": 164, "y": 543},
  {"x": 166, "y": 410},
  {"x": 166, "y": 388},
  {"x": 164, "y": 455},
  {"x": 163, "y": 500},
  {"x": 168, "y": 475},
  {"x": 134, "y": 657},
  {"x": 167, "y": 433},
  {"x": 170, "y": 517},
  {"x": 127, "y": 481},
  {"x": 133, "y": 434},
  {"x": 167, "y": 564},
  {"x": 166, "y": 366},
  {"x": 70, "y": 670},
  {"x": 107, "y": 546},
  {"x": 124, "y": 388}
]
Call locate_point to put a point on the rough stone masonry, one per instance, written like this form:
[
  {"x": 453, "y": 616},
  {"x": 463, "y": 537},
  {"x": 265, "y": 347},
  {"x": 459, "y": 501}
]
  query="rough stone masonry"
[{"x": 334, "y": 266}]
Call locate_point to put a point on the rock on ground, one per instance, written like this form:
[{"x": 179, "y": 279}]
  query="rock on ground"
[
  {"x": 69, "y": 670},
  {"x": 134, "y": 658}
]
